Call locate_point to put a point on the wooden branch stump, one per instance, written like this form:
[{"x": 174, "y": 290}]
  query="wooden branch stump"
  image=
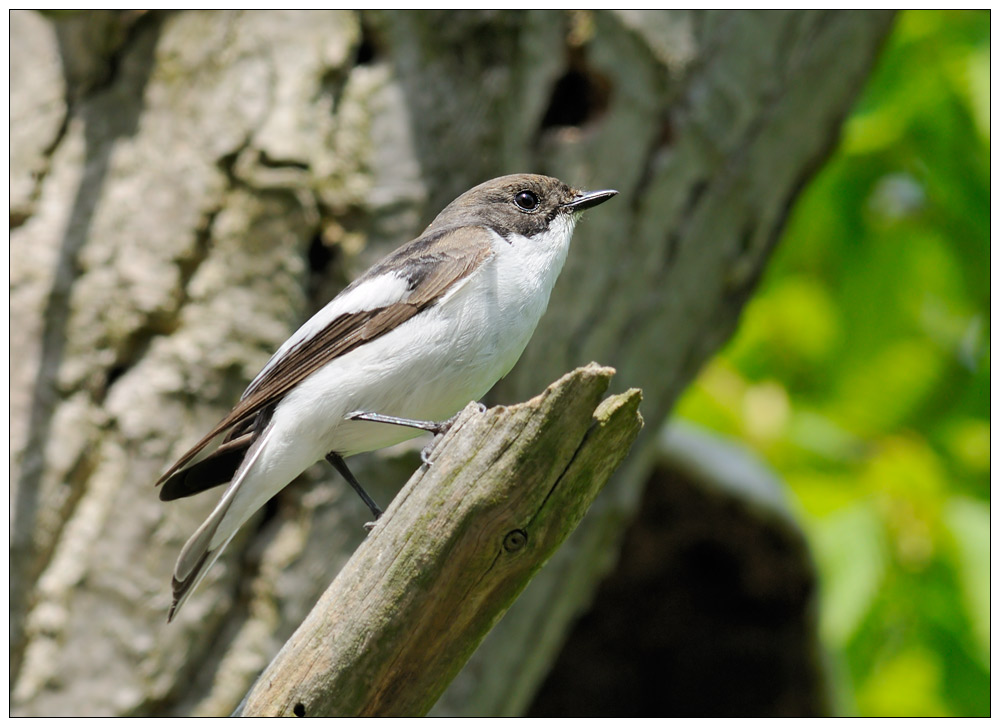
[{"x": 452, "y": 553}]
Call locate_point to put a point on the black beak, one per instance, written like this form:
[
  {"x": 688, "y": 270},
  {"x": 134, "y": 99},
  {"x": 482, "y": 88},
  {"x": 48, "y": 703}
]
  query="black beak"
[{"x": 586, "y": 200}]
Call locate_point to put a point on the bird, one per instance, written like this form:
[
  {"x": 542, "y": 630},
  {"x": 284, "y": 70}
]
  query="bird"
[{"x": 428, "y": 329}]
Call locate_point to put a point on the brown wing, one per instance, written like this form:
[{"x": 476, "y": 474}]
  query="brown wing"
[{"x": 432, "y": 264}]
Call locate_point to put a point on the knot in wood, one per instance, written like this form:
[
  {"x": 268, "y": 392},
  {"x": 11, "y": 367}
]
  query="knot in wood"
[{"x": 514, "y": 540}]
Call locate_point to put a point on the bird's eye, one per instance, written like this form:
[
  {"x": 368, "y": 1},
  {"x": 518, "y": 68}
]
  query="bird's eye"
[{"x": 526, "y": 200}]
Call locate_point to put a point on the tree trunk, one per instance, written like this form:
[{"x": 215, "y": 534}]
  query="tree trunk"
[{"x": 186, "y": 188}]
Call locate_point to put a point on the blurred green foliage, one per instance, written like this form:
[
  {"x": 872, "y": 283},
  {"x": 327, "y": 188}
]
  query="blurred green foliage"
[{"x": 861, "y": 372}]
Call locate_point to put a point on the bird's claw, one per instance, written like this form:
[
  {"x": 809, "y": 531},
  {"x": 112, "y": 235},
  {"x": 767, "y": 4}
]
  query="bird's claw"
[
  {"x": 425, "y": 453},
  {"x": 439, "y": 432}
]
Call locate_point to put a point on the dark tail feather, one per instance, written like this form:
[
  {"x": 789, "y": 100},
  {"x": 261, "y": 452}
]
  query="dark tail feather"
[
  {"x": 216, "y": 469},
  {"x": 197, "y": 557},
  {"x": 204, "y": 547},
  {"x": 184, "y": 586}
]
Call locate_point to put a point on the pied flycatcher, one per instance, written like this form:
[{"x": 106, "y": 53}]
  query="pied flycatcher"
[{"x": 425, "y": 331}]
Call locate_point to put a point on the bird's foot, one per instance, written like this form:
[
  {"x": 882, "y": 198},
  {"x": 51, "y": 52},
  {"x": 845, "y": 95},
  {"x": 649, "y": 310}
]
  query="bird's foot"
[
  {"x": 425, "y": 453},
  {"x": 442, "y": 429}
]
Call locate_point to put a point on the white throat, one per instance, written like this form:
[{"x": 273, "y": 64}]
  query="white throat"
[{"x": 528, "y": 267}]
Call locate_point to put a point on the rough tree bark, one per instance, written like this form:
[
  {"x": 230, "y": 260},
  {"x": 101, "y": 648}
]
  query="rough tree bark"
[{"x": 187, "y": 187}]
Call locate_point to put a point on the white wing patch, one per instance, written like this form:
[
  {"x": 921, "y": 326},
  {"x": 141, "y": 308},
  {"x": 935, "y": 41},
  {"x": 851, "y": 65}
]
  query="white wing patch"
[{"x": 377, "y": 292}]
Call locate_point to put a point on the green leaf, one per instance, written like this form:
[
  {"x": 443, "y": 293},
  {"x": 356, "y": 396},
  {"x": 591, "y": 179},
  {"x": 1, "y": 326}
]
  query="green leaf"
[
  {"x": 907, "y": 685},
  {"x": 852, "y": 551},
  {"x": 968, "y": 522}
]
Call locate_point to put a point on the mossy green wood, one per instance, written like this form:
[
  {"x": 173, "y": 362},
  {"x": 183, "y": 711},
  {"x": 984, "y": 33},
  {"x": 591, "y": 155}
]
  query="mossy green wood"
[{"x": 452, "y": 553}]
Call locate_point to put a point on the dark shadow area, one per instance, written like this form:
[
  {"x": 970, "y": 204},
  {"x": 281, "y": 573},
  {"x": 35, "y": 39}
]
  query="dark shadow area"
[
  {"x": 369, "y": 47},
  {"x": 581, "y": 95},
  {"x": 709, "y": 614}
]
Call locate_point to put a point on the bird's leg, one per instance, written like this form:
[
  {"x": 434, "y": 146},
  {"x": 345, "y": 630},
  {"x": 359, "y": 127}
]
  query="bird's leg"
[
  {"x": 436, "y": 428},
  {"x": 427, "y": 426},
  {"x": 341, "y": 466}
]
